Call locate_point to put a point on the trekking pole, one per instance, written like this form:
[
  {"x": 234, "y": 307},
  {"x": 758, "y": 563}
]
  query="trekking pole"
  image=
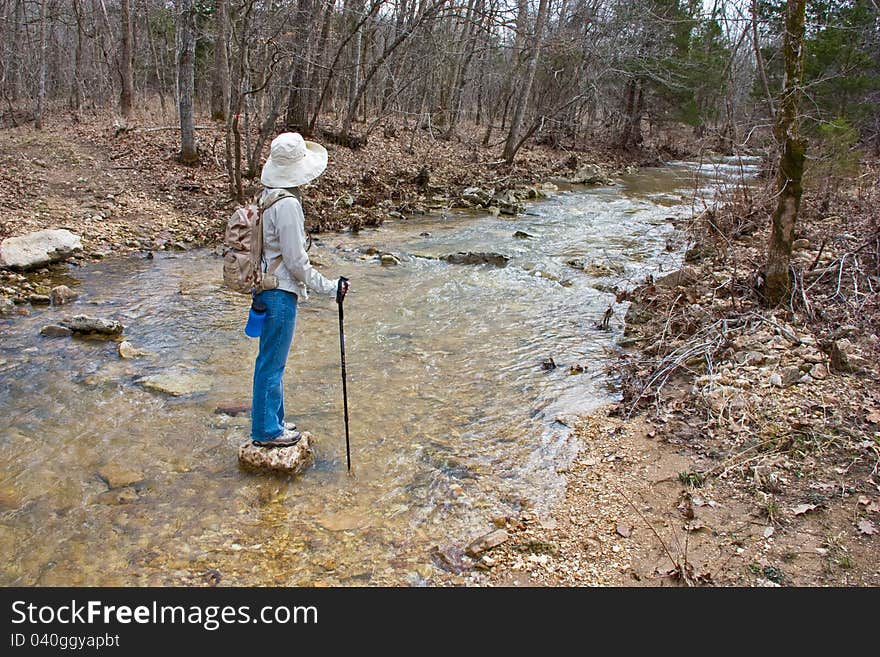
[{"x": 340, "y": 296}]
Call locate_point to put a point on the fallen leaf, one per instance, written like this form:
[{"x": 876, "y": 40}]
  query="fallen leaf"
[
  {"x": 873, "y": 416},
  {"x": 871, "y": 506},
  {"x": 867, "y": 527},
  {"x": 624, "y": 530},
  {"x": 801, "y": 509}
]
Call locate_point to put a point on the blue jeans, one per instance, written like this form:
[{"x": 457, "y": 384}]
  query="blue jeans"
[{"x": 267, "y": 412}]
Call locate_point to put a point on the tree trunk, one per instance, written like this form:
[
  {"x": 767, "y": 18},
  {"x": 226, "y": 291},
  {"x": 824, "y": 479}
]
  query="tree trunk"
[
  {"x": 513, "y": 141},
  {"x": 186, "y": 82},
  {"x": 220, "y": 83},
  {"x": 777, "y": 285},
  {"x": 297, "y": 119},
  {"x": 631, "y": 133},
  {"x": 41, "y": 81},
  {"x": 125, "y": 69}
]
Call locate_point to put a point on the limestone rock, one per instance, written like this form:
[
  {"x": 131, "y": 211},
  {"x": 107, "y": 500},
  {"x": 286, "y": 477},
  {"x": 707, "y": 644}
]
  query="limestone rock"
[
  {"x": 684, "y": 276},
  {"x": 589, "y": 174},
  {"x": 507, "y": 202},
  {"x": 287, "y": 460},
  {"x": 62, "y": 294},
  {"x": 176, "y": 383},
  {"x": 388, "y": 260},
  {"x": 38, "y": 249},
  {"x": 86, "y": 324},
  {"x": 7, "y": 306},
  {"x": 790, "y": 376},
  {"x": 128, "y": 351},
  {"x": 55, "y": 331},
  {"x": 477, "y": 196},
  {"x": 495, "y": 259},
  {"x": 819, "y": 371},
  {"x": 637, "y": 313},
  {"x": 39, "y": 299},
  {"x": 118, "y": 476},
  {"x": 486, "y": 542},
  {"x": 844, "y": 358}
]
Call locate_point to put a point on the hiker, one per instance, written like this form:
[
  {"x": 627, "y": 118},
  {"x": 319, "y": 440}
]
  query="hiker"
[{"x": 292, "y": 163}]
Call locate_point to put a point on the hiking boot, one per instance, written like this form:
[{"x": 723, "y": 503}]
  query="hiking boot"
[{"x": 287, "y": 439}]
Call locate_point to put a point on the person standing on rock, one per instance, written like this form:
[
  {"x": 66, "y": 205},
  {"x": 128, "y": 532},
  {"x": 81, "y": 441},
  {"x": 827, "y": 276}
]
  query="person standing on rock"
[{"x": 292, "y": 163}]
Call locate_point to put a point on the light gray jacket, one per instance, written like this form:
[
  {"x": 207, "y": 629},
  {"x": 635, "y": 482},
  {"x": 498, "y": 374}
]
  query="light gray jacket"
[{"x": 284, "y": 235}]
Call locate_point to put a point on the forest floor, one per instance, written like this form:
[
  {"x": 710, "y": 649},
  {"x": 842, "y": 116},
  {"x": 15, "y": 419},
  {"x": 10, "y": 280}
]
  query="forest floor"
[
  {"x": 746, "y": 447},
  {"x": 126, "y": 192}
]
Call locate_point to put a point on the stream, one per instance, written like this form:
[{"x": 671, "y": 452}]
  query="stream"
[{"x": 454, "y": 420}]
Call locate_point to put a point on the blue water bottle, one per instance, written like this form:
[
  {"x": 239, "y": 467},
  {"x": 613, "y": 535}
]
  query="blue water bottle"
[{"x": 256, "y": 316}]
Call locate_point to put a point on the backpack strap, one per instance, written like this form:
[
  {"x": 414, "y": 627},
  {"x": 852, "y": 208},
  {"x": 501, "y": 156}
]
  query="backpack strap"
[{"x": 271, "y": 199}]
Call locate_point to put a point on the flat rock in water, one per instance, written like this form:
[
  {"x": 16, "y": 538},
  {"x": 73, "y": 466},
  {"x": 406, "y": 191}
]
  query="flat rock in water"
[
  {"x": 287, "y": 460},
  {"x": 62, "y": 294},
  {"x": 86, "y": 324},
  {"x": 38, "y": 249},
  {"x": 128, "y": 351},
  {"x": 176, "y": 384},
  {"x": 495, "y": 259}
]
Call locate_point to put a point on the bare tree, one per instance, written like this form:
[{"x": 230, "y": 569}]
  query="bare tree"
[
  {"x": 125, "y": 60},
  {"x": 220, "y": 83},
  {"x": 789, "y": 181},
  {"x": 41, "y": 84},
  {"x": 511, "y": 145},
  {"x": 186, "y": 82}
]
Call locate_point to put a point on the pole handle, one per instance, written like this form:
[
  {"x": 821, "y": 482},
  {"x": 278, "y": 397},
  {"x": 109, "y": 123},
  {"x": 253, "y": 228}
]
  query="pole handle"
[{"x": 341, "y": 289}]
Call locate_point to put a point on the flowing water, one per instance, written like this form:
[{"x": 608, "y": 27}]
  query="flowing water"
[{"x": 454, "y": 420}]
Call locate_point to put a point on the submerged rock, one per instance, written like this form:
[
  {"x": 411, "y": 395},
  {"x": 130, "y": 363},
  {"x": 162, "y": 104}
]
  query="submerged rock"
[
  {"x": 176, "y": 384},
  {"x": 468, "y": 258},
  {"x": 61, "y": 295},
  {"x": 522, "y": 235},
  {"x": 287, "y": 460},
  {"x": 118, "y": 476},
  {"x": 118, "y": 496},
  {"x": 7, "y": 306},
  {"x": 39, "y": 299},
  {"x": 233, "y": 409},
  {"x": 86, "y": 324},
  {"x": 486, "y": 542},
  {"x": 38, "y": 249},
  {"x": 55, "y": 331}
]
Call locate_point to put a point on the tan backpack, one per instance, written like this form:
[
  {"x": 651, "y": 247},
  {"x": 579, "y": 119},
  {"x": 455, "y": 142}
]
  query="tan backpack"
[{"x": 242, "y": 270}]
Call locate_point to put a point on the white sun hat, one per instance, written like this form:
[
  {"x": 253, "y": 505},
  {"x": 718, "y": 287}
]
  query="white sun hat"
[{"x": 293, "y": 161}]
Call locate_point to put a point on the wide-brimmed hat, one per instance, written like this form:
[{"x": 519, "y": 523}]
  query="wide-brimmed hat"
[{"x": 293, "y": 161}]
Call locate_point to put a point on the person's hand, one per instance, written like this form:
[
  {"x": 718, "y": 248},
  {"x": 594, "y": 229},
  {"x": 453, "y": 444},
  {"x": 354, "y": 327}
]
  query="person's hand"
[{"x": 342, "y": 289}]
